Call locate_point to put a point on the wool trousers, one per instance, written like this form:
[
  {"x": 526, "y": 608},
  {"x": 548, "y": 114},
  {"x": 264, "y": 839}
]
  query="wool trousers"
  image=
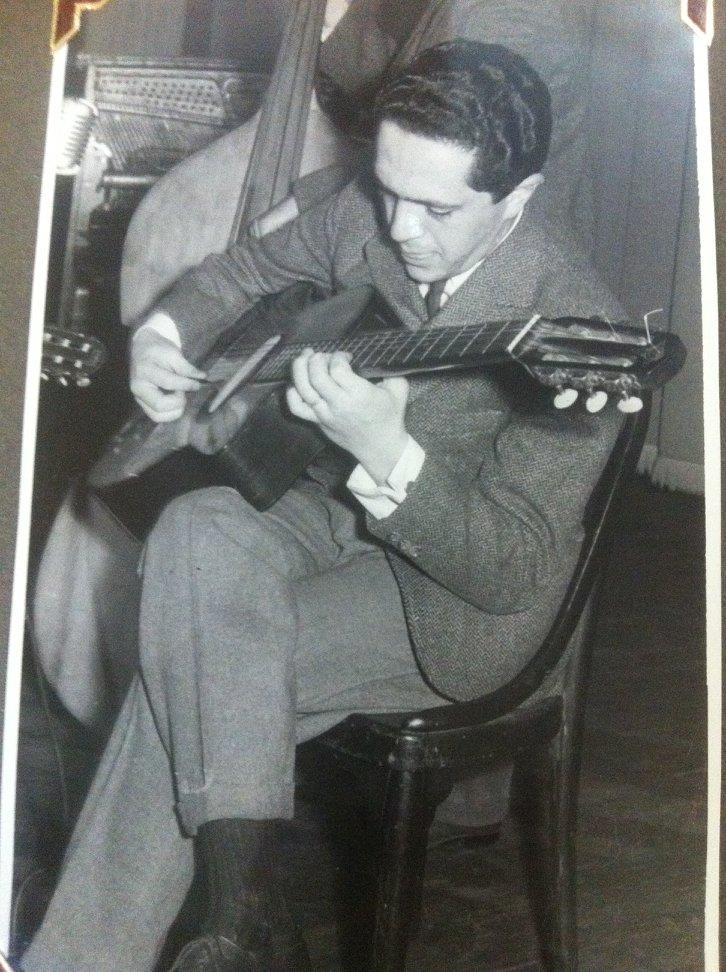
[{"x": 257, "y": 631}]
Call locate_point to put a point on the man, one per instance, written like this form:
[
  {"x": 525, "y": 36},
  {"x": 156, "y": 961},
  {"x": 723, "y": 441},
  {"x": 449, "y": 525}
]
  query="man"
[
  {"x": 431, "y": 575},
  {"x": 90, "y": 652}
]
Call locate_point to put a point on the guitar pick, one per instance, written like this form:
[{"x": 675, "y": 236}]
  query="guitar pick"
[
  {"x": 596, "y": 401},
  {"x": 565, "y": 397},
  {"x": 630, "y": 404}
]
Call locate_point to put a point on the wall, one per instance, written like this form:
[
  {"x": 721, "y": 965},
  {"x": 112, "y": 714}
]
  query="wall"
[
  {"x": 247, "y": 31},
  {"x": 646, "y": 206}
]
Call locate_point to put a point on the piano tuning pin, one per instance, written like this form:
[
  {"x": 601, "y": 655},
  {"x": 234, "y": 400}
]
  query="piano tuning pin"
[
  {"x": 83, "y": 382},
  {"x": 44, "y": 376},
  {"x": 596, "y": 401},
  {"x": 565, "y": 397},
  {"x": 63, "y": 380},
  {"x": 629, "y": 404}
]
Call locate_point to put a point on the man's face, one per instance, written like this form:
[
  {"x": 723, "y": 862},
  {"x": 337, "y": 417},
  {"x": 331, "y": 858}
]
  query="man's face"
[{"x": 440, "y": 225}]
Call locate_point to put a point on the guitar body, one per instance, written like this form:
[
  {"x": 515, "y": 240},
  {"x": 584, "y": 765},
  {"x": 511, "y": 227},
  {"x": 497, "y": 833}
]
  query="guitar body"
[{"x": 252, "y": 442}]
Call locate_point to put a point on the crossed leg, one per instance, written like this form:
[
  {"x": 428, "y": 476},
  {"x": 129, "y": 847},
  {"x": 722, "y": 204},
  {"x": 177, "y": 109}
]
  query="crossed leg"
[{"x": 257, "y": 631}]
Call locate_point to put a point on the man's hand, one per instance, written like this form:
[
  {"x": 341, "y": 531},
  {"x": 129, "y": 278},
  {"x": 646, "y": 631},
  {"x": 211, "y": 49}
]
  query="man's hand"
[
  {"x": 160, "y": 375},
  {"x": 366, "y": 419}
]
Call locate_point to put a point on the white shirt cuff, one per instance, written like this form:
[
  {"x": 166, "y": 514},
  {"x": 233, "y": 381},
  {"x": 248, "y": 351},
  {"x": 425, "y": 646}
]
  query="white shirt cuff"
[
  {"x": 382, "y": 499},
  {"x": 164, "y": 325}
]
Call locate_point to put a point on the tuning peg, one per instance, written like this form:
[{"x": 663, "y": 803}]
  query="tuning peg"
[
  {"x": 44, "y": 376},
  {"x": 62, "y": 380},
  {"x": 83, "y": 382},
  {"x": 596, "y": 401},
  {"x": 565, "y": 397},
  {"x": 629, "y": 404}
]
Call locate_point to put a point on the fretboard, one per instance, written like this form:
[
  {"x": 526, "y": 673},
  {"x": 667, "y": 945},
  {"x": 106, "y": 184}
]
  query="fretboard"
[{"x": 403, "y": 351}]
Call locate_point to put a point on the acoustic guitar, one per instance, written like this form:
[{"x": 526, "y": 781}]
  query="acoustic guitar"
[
  {"x": 239, "y": 421},
  {"x": 70, "y": 357}
]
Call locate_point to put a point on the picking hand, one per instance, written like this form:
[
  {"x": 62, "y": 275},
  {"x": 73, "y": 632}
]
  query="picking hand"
[
  {"x": 160, "y": 376},
  {"x": 365, "y": 418}
]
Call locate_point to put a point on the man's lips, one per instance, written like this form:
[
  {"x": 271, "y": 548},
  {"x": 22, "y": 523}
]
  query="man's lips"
[{"x": 409, "y": 257}]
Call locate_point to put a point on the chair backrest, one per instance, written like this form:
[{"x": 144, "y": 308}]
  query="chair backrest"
[{"x": 598, "y": 524}]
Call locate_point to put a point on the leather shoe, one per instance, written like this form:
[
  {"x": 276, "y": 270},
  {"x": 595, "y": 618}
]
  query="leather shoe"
[
  {"x": 215, "y": 953},
  {"x": 284, "y": 952}
]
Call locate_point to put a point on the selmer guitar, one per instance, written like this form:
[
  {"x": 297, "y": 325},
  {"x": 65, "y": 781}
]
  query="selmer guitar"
[{"x": 240, "y": 422}]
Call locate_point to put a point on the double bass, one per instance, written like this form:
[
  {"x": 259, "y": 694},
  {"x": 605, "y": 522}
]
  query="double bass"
[{"x": 87, "y": 585}]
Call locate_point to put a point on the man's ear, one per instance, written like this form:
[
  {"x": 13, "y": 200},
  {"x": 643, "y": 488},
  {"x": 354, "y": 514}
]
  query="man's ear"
[{"x": 517, "y": 199}]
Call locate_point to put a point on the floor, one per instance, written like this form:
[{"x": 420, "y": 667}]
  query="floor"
[{"x": 641, "y": 842}]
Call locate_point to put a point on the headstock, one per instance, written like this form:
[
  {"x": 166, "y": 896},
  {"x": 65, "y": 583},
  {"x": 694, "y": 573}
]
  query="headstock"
[
  {"x": 597, "y": 358},
  {"x": 70, "y": 357}
]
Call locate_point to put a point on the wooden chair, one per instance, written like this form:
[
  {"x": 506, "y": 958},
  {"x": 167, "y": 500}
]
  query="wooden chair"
[{"x": 403, "y": 765}]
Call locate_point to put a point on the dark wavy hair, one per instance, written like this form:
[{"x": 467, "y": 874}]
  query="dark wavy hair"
[{"x": 482, "y": 97}]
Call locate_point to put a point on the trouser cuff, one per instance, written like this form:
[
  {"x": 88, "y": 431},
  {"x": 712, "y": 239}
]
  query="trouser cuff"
[{"x": 200, "y": 806}]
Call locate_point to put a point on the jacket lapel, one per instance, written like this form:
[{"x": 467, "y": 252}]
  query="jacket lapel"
[
  {"x": 393, "y": 283},
  {"x": 504, "y": 286}
]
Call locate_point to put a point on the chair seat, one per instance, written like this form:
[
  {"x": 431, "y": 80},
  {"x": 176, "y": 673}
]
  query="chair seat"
[{"x": 407, "y": 741}]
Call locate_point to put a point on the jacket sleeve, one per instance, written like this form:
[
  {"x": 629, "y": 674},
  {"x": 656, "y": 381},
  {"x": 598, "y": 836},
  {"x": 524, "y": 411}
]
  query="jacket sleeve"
[
  {"x": 208, "y": 299},
  {"x": 496, "y": 536}
]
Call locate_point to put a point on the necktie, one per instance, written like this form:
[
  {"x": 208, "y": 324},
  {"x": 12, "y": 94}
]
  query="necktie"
[{"x": 433, "y": 297}]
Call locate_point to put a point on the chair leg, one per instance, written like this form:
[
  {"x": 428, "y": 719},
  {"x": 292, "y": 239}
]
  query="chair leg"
[
  {"x": 408, "y": 811},
  {"x": 546, "y": 793}
]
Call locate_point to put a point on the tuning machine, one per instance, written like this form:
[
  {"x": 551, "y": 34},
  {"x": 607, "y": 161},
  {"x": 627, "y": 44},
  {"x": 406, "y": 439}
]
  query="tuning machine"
[
  {"x": 565, "y": 397},
  {"x": 596, "y": 401},
  {"x": 628, "y": 402}
]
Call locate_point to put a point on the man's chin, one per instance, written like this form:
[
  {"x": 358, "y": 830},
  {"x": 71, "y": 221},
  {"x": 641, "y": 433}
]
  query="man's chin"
[{"x": 421, "y": 274}]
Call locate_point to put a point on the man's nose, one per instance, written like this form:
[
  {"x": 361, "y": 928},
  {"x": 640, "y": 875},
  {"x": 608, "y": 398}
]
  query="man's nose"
[{"x": 404, "y": 221}]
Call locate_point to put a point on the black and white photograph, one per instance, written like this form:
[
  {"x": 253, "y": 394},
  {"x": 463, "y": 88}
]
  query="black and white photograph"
[{"x": 362, "y": 620}]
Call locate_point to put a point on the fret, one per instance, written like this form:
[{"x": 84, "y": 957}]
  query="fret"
[
  {"x": 416, "y": 345},
  {"x": 363, "y": 341},
  {"x": 378, "y": 354},
  {"x": 400, "y": 347},
  {"x": 495, "y": 335},
  {"x": 437, "y": 333},
  {"x": 461, "y": 332},
  {"x": 374, "y": 345},
  {"x": 477, "y": 334}
]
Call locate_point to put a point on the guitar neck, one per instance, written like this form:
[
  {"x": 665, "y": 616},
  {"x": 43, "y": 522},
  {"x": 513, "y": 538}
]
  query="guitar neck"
[{"x": 400, "y": 352}]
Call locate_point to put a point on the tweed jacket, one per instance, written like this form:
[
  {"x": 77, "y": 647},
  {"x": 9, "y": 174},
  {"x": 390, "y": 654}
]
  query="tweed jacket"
[{"x": 486, "y": 540}]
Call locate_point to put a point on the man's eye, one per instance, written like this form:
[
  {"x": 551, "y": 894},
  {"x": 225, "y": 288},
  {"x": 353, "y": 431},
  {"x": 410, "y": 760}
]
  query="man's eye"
[{"x": 439, "y": 212}]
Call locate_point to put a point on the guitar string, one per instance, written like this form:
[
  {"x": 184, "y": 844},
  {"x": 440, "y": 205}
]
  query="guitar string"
[
  {"x": 395, "y": 343},
  {"x": 368, "y": 349}
]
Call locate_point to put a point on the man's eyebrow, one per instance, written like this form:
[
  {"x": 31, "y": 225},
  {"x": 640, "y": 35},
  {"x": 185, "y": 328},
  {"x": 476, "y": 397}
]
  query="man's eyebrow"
[{"x": 431, "y": 203}]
